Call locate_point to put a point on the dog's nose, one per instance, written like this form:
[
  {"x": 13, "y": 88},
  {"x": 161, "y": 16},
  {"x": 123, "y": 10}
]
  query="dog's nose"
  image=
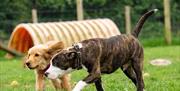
[
  {"x": 27, "y": 63},
  {"x": 46, "y": 74}
]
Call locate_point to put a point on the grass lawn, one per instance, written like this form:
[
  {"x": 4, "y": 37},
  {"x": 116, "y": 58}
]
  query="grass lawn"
[{"x": 162, "y": 78}]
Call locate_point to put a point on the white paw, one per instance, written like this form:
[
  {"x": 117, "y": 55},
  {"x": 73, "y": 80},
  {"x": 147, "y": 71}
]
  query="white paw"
[{"x": 79, "y": 86}]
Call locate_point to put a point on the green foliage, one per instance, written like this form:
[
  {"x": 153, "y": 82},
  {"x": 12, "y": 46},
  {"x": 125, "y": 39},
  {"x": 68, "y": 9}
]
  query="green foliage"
[
  {"x": 8, "y": 7},
  {"x": 13, "y": 12},
  {"x": 50, "y": 4}
]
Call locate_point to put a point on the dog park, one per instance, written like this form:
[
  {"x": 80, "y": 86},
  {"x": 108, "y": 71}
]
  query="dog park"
[{"x": 84, "y": 45}]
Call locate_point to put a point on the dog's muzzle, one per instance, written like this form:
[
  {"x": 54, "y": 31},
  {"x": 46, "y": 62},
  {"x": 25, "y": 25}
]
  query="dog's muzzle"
[
  {"x": 51, "y": 75},
  {"x": 52, "y": 72},
  {"x": 29, "y": 65}
]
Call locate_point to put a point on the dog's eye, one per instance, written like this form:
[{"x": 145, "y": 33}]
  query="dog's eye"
[
  {"x": 36, "y": 55},
  {"x": 28, "y": 55}
]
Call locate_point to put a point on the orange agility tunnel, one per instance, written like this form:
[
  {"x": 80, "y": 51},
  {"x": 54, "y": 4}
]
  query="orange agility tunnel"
[{"x": 26, "y": 35}]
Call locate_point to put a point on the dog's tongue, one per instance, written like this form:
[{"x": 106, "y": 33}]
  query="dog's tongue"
[{"x": 47, "y": 67}]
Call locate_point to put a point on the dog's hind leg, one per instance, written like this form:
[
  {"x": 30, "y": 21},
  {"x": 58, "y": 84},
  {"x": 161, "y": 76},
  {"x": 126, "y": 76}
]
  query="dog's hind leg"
[
  {"x": 98, "y": 84},
  {"x": 137, "y": 66},
  {"x": 129, "y": 72}
]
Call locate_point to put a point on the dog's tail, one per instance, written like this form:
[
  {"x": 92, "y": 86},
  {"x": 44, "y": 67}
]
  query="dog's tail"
[{"x": 141, "y": 21}]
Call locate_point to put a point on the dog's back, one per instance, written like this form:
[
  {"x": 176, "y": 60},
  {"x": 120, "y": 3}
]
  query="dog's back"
[
  {"x": 126, "y": 44},
  {"x": 117, "y": 50}
]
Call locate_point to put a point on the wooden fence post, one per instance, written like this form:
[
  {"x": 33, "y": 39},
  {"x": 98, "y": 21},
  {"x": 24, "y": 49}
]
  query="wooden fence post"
[
  {"x": 167, "y": 21},
  {"x": 34, "y": 12},
  {"x": 128, "y": 19},
  {"x": 79, "y": 6},
  {"x": 34, "y": 16}
]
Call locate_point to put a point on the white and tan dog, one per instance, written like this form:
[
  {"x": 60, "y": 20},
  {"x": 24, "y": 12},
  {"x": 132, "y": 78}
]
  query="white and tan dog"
[{"x": 38, "y": 58}]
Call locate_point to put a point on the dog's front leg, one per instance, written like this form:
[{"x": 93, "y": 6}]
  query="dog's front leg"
[
  {"x": 98, "y": 84},
  {"x": 39, "y": 81},
  {"x": 92, "y": 77},
  {"x": 66, "y": 82},
  {"x": 56, "y": 83},
  {"x": 80, "y": 85}
]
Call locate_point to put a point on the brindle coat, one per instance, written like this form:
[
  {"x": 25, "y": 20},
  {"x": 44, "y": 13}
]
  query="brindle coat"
[{"x": 101, "y": 55}]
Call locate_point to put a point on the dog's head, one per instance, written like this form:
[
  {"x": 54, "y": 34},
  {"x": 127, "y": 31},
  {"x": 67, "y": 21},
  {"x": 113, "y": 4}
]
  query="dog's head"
[
  {"x": 39, "y": 56},
  {"x": 64, "y": 62}
]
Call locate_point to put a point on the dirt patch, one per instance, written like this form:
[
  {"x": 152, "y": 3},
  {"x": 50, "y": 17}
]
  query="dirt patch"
[{"x": 160, "y": 62}]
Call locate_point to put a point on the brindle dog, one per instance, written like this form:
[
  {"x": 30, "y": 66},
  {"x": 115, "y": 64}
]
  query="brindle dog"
[{"x": 103, "y": 55}]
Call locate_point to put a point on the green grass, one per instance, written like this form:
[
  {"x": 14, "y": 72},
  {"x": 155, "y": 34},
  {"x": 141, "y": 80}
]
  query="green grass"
[
  {"x": 162, "y": 78},
  {"x": 158, "y": 41}
]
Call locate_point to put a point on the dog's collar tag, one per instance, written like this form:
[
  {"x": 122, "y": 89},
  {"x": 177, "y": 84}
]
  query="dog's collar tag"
[{"x": 76, "y": 47}]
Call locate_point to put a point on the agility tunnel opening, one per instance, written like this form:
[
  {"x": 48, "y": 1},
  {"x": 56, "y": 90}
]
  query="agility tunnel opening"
[{"x": 21, "y": 40}]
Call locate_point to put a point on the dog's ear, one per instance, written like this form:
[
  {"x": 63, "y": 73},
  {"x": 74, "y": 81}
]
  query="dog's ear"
[
  {"x": 56, "y": 47},
  {"x": 71, "y": 55}
]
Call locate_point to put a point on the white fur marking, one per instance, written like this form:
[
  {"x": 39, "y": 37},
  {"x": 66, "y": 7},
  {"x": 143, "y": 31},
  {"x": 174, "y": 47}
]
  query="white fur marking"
[
  {"x": 55, "y": 72},
  {"x": 80, "y": 45},
  {"x": 79, "y": 86}
]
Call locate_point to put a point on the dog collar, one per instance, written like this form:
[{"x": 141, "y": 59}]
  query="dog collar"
[
  {"x": 78, "y": 63},
  {"x": 46, "y": 67}
]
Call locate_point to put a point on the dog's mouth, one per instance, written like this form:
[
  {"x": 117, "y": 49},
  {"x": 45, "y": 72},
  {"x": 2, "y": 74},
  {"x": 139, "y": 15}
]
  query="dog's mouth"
[{"x": 33, "y": 67}]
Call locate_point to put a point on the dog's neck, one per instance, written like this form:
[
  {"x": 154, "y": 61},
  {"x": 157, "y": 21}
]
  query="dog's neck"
[
  {"x": 78, "y": 62},
  {"x": 46, "y": 68}
]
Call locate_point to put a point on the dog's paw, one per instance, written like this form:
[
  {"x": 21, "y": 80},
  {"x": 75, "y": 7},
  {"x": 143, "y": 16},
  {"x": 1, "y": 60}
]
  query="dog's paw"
[{"x": 79, "y": 86}]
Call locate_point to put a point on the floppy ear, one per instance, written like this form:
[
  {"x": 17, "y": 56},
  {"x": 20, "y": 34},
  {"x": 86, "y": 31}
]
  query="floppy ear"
[
  {"x": 71, "y": 55},
  {"x": 55, "y": 47}
]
